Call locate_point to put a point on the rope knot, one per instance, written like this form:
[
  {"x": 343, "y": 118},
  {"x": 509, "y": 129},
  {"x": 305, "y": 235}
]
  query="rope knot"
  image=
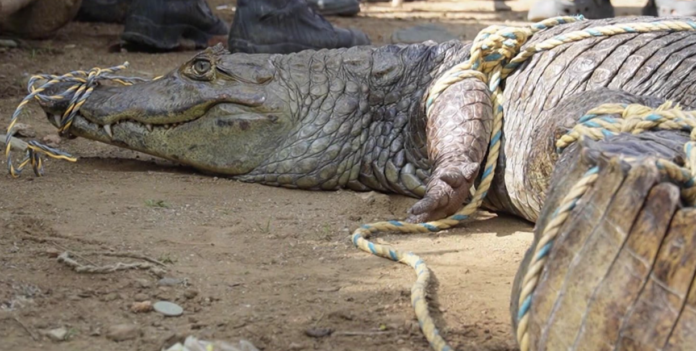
[
  {"x": 496, "y": 45},
  {"x": 82, "y": 84}
]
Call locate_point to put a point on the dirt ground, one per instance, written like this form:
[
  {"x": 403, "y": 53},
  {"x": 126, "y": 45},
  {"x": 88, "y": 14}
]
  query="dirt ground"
[{"x": 247, "y": 261}]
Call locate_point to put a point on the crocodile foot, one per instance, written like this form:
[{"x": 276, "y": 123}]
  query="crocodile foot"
[
  {"x": 447, "y": 189},
  {"x": 458, "y": 128}
]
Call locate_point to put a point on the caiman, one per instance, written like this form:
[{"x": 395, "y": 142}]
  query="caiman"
[{"x": 620, "y": 274}]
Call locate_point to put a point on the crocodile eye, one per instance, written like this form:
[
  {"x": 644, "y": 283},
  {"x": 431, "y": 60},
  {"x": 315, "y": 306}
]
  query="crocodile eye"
[{"x": 201, "y": 67}]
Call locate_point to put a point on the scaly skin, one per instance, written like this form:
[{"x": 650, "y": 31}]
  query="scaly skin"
[
  {"x": 355, "y": 118},
  {"x": 653, "y": 66},
  {"x": 325, "y": 120}
]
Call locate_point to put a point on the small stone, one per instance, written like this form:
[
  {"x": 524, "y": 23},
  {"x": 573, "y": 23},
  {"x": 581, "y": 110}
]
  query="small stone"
[
  {"x": 110, "y": 297},
  {"x": 318, "y": 332},
  {"x": 8, "y": 43},
  {"x": 374, "y": 198},
  {"x": 57, "y": 334},
  {"x": 51, "y": 140},
  {"x": 169, "y": 282},
  {"x": 141, "y": 307},
  {"x": 95, "y": 331},
  {"x": 143, "y": 283},
  {"x": 295, "y": 346},
  {"x": 86, "y": 293},
  {"x": 168, "y": 309},
  {"x": 190, "y": 294},
  {"x": 140, "y": 297},
  {"x": 123, "y": 332},
  {"x": 24, "y": 130},
  {"x": 52, "y": 252}
]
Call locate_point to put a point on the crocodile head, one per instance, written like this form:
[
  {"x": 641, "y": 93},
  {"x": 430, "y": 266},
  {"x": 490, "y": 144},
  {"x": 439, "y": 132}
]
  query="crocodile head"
[{"x": 217, "y": 112}]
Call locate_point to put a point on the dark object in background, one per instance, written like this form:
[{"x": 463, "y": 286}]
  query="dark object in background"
[
  {"x": 40, "y": 19},
  {"x": 106, "y": 11},
  {"x": 285, "y": 26}
]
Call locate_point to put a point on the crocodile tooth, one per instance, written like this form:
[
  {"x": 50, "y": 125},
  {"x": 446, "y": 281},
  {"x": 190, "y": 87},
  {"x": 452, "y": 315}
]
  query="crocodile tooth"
[
  {"x": 149, "y": 127},
  {"x": 56, "y": 120},
  {"x": 107, "y": 129}
]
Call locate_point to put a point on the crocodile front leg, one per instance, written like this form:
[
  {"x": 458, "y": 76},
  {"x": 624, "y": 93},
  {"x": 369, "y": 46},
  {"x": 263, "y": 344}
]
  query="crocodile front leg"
[
  {"x": 620, "y": 272},
  {"x": 458, "y": 131}
]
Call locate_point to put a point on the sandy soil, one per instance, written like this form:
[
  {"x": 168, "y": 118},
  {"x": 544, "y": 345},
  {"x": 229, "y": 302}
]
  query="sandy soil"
[{"x": 249, "y": 261}]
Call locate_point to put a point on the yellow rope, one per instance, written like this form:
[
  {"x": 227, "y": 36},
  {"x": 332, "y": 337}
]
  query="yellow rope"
[
  {"x": 491, "y": 51},
  {"x": 543, "y": 247},
  {"x": 635, "y": 118},
  {"x": 494, "y": 56},
  {"x": 82, "y": 85}
]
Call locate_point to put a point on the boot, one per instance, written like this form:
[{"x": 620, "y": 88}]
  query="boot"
[
  {"x": 172, "y": 24},
  {"x": 106, "y": 11},
  {"x": 336, "y": 7},
  {"x": 285, "y": 26}
]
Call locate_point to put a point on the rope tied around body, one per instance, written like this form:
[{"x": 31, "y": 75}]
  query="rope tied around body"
[
  {"x": 611, "y": 119},
  {"x": 82, "y": 83},
  {"x": 495, "y": 54},
  {"x": 492, "y": 54}
]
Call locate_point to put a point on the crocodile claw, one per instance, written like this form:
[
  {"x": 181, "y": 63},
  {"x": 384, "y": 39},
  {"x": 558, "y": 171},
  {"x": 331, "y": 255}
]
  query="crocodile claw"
[{"x": 447, "y": 190}]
